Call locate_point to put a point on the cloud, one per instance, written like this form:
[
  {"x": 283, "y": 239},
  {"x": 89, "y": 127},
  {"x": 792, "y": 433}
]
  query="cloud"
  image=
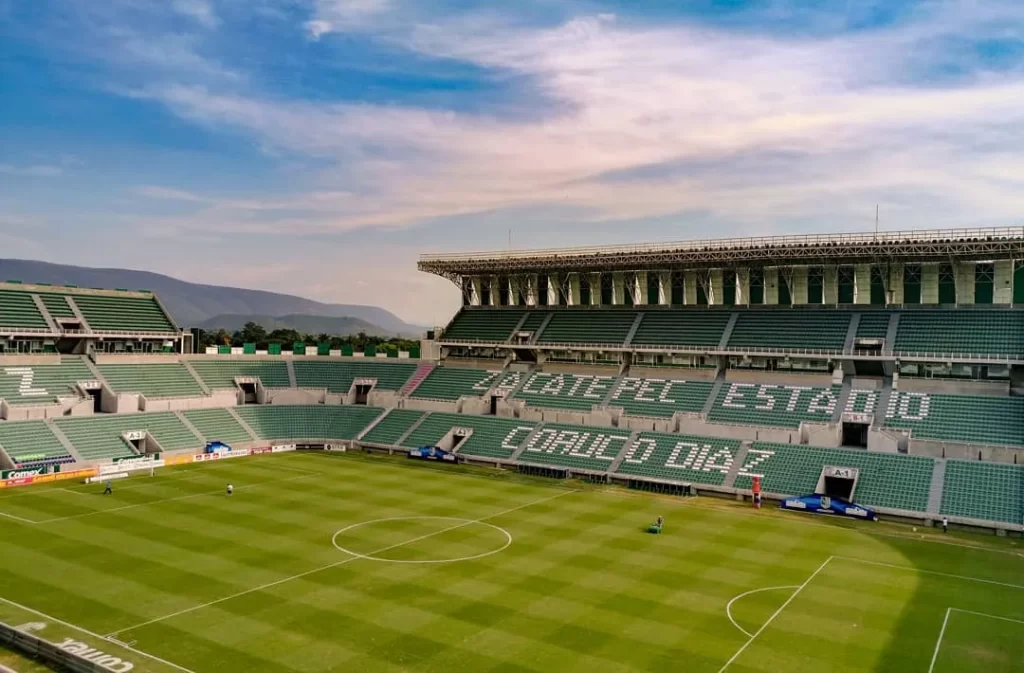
[
  {"x": 34, "y": 171},
  {"x": 201, "y": 11},
  {"x": 317, "y": 28},
  {"x": 345, "y": 15},
  {"x": 169, "y": 194}
]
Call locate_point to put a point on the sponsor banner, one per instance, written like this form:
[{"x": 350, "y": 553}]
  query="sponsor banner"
[
  {"x": 29, "y": 472},
  {"x": 178, "y": 460},
  {"x": 110, "y": 476},
  {"x": 823, "y": 504},
  {"x": 219, "y": 455},
  {"x": 133, "y": 464},
  {"x": 75, "y": 474},
  {"x": 46, "y": 478},
  {"x": 262, "y": 449},
  {"x": 281, "y": 448}
]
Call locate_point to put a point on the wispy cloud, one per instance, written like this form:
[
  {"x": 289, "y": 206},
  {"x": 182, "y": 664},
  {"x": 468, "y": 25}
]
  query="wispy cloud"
[
  {"x": 200, "y": 11},
  {"x": 33, "y": 171}
]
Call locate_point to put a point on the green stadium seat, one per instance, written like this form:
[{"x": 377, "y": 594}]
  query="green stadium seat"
[
  {"x": 19, "y": 311},
  {"x": 482, "y": 324},
  {"x": 491, "y": 438},
  {"x": 873, "y": 325},
  {"x": 958, "y": 418},
  {"x": 32, "y": 443},
  {"x": 57, "y": 305},
  {"x": 681, "y": 327},
  {"x": 100, "y": 437},
  {"x": 392, "y": 427},
  {"x": 313, "y": 421},
  {"x": 775, "y": 405},
  {"x": 823, "y": 330},
  {"x": 565, "y": 391},
  {"x": 217, "y": 425},
  {"x": 988, "y": 491},
  {"x": 337, "y": 376},
  {"x": 589, "y": 326},
  {"x": 221, "y": 373},
  {"x": 886, "y": 479},
  {"x": 152, "y": 380},
  {"x": 981, "y": 332},
  {"x": 659, "y": 398},
  {"x": 106, "y": 313},
  {"x": 451, "y": 383},
  {"x": 680, "y": 458},
  {"x": 42, "y": 384},
  {"x": 577, "y": 447}
]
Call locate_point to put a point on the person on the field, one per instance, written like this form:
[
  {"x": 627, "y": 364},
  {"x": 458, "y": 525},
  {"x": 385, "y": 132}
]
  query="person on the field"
[
  {"x": 945, "y": 524},
  {"x": 231, "y": 489},
  {"x": 660, "y": 521},
  {"x": 109, "y": 490}
]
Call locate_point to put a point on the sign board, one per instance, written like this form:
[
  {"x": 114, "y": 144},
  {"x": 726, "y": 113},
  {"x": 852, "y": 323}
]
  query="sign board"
[
  {"x": 134, "y": 435},
  {"x": 841, "y": 472},
  {"x": 90, "y": 385},
  {"x": 865, "y": 419},
  {"x": 29, "y": 472}
]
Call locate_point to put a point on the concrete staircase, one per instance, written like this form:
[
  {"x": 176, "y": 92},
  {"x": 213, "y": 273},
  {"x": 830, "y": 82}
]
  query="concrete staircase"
[{"x": 422, "y": 372}]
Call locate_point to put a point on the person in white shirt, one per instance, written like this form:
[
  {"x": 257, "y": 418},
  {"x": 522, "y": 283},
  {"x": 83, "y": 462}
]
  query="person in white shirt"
[{"x": 230, "y": 489}]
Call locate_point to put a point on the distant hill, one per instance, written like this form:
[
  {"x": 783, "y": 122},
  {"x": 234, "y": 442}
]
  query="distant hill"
[
  {"x": 194, "y": 304},
  {"x": 307, "y": 324}
]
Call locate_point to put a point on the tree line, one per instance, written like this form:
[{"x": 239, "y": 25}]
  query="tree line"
[{"x": 254, "y": 333}]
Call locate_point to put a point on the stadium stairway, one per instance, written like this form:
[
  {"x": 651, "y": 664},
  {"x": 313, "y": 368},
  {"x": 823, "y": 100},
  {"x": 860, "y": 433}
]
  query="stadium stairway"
[
  {"x": 41, "y": 305},
  {"x": 938, "y": 483},
  {"x": 622, "y": 454},
  {"x": 241, "y": 421},
  {"x": 377, "y": 421},
  {"x": 293, "y": 379},
  {"x": 188, "y": 424},
  {"x": 202, "y": 384},
  {"x": 422, "y": 372},
  {"x": 412, "y": 428},
  {"x": 737, "y": 464}
]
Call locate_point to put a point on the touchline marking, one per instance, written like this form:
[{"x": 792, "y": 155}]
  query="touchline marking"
[
  {"x": 774, "y": 615},
  {"x": 931, "y": 572},
  {"x": 18, "y": 518},
  {"x": 156, "y": 502},
  {"x": 945, "y": 621},
  {"x": 938, "y": 643},
  {"x": 96, "y": 635},
  {"x": 728, "y": 607},
  {"x": 333, "y": 565}
]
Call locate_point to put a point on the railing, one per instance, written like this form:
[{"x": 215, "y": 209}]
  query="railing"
[
  {"x": 1007, "y": 233},
  {"x": 930, "y": 356}
]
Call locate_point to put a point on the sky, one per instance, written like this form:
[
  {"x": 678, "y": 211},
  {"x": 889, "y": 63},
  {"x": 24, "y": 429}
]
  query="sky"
[{"x": 318, "y": 147}]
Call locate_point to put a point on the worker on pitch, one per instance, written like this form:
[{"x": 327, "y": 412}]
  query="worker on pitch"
[{"x": 231, "y": 489}]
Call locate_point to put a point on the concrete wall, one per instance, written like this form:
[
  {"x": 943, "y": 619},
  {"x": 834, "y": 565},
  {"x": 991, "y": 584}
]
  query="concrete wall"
[
  {"x": 882, "y": 441},
  {"x": 136, "y": 359},
  {"x": 862, "y": 284},
  {"x": 696, "y": 426},
  {"x": 574, "y": 289},
  {"x": 821, "y": 434},
  {"x": 673, "y": 373},
  {"x": 717, "y": 287},
  {"x": 646, "y": 424},
  {"x": 1003, "y": 290},
  {"x": 690, "y": 287},
  {"x": 943, "y": 387},
  {"x": 28, "y": 360},
  {"x": 771, "y": 285},
  {"x": 383, "y": 398},
  {"x": 450, "y": 407},
  {"x": 896, "y": 284},
  {"x": 929, "y": 283},
  {"x": 219, "y": 398},
  {"x": 964, "y": 282},
  {"x": 294, "y": 396},
  {"x": 800, "y": 285},
  {"x": 17, "y": 412},
  {"x": 778, "y": 378},
  {"x": 743, "y": 287},
  {"x": 830, "y": 285},
  {"x": 966, "y": 451}
]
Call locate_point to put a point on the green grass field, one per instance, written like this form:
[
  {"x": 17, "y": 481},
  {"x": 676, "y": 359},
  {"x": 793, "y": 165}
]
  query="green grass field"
[{"x": 327, "y": 562}]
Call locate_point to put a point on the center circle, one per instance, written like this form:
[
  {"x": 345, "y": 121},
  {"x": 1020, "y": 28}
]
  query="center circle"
[{"x": 455, "y": 524}]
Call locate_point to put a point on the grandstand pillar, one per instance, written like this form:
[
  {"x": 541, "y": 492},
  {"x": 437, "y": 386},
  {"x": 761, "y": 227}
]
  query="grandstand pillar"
[
  {"x": 641, "y": 288},
  {"x": 929, "y": 283},
  {"x": 964, "y": 282},
  {"x": 895, "y": 284},
  {"x": 800, "y": 285},
  {"x": 574, "y": 289},
  {"x": 553, "y": 290},
  {"x": 1003, "y": 291},
  {"x": 862, "y": 284},
  {"x": 717, "y": 297},
  {"x": 618, "y": 289},
  {"x": 771, "y": 285},
  {"x": 531, "y": 290},
  {"x": 664, "y": 287},
  {"x": 474, "y": 291},
  {"x": 743, "y": 287},
  {"x": 595, "y": 289},
  {"x": 830, "y": 291},
  {"x": 689, "y": 287}
]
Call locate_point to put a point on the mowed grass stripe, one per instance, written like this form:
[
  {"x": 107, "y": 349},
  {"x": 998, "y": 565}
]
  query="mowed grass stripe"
[{"x": 581, "y": 588}]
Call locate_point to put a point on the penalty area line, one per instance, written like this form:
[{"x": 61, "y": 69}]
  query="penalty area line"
[
  {"x": 336, "y": 564},
  {"x": 775, "y": 614},
  {"x": 96, "y": 635}
]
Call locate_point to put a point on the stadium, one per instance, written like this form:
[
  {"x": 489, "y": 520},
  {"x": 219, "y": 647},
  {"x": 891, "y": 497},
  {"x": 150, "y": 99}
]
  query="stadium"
[{"x": 578, "y": 395}]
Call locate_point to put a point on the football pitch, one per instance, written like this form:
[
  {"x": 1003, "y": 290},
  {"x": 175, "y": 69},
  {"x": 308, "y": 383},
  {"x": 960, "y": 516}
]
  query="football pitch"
[{"x": 328, "y": 562}]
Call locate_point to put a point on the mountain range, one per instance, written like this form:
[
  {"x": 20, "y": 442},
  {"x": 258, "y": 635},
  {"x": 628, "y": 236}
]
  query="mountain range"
[{"x": 215, "y": 306}]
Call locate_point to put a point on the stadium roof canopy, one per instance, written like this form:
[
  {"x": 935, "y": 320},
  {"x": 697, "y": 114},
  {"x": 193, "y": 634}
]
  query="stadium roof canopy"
[{"x": 910, "y": 246}]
